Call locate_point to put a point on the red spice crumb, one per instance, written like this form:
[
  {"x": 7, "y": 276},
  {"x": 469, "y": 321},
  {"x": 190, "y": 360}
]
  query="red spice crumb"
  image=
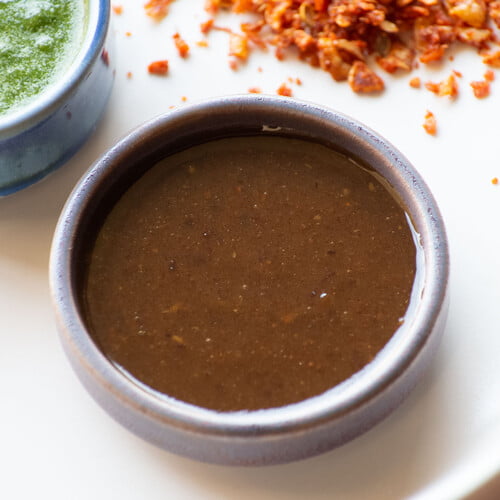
[
  {"x": 222, "y": 28},
  {"x": 447, "y": 87},
  {"x": 238, "y": 46},
  {"x": 494, "y": 181},
  {"x": 489, "y": 75},
  {"x": 157, "y": 9},
  {"x": 254, "y": 90},
  {"x": 415, "y": 82},
  {"x": 117, "y": 9},
  {"x": 492, "y": 59},
  {"x": 481, "y": 89},
  {"x": 298, "y": 81},
  {"x": 363, "y": 80},
  {"x": 433, "y": 54},
  {"x": 206, "y": 26},
  {"x": 202, "y": 43},
  {"x": 320, "y": 5},
  {"x": 259, "y": 69},
  {"x": 284, "y": 90},
  {"x": 457, "y": 73},
  {"x": 233, "y": 64},
  {"x": 129, "y": 74},
  {"x": 181, "y": 45},
  {"x": 430, "y": 125},
  {"x": 432, "y": 87},
  {"x": 158, "y": 67},
  {"x": 396, "y": 56}
]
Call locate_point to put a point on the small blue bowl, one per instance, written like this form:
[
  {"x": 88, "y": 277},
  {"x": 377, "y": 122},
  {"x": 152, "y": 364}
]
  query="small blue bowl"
[{"x": 42, "y": 135}]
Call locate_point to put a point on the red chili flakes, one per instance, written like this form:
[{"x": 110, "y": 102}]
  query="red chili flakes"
[
  {"x": 492, "y": 59},
  {"x": 494, "y": 181},
  {"x": 238, "y": 46},
  {"x": 181, "y": 46},
  {"x": 279, "y": 53},
  {"x": 158, "y": 67},
  {"x": 320, "y": 5},
  {"x": 399, "y": 57},
  {"x": 240, "y": 6},
  {"x": 222, "y": 28},
  {"x": 481, "y": 88},
  {"x": 494, "y": 12},
  {"x": 251, "y": 31},
  {"x": 430, "y": 125},
  {"x": 296, "y": 81},
  {"x": 415, "y": 82},
  {"x": 284, "y": 90},
  {"x": 432, "y": 87},
  {"x": 129, "y": 74},
  {"x": 254, "y": 90},
  {"x": 489, "y": 75},
  {"x": 363, "y": 80},
  {"x": 447, "y": 87},
  {"x": 343, "y": 36},
  {"x": 117, "y": 9},
  {"x": 206, "y": 26},
  {"x": 157, "y": 9}
]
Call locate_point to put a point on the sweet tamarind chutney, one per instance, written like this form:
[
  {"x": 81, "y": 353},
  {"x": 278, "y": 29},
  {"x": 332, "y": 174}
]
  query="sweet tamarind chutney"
[{"x": 249, "y": 273}]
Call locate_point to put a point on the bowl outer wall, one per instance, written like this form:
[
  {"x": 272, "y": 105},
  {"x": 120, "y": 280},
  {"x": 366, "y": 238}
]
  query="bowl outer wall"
[
  {"x": 265, "y": 436},
  {"x": 44, "y": 134}
]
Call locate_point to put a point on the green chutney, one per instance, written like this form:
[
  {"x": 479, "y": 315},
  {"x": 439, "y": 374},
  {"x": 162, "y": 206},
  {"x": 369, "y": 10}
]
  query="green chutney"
[{"x": 38, "y": 41}]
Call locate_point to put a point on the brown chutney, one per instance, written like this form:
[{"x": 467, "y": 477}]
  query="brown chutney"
[{"x": 250, "y": 273}]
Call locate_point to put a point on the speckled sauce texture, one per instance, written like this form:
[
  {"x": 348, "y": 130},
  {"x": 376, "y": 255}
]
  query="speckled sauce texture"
[
  {"x": 38, "y": 40},
  {"x": 250, "y": 273}
]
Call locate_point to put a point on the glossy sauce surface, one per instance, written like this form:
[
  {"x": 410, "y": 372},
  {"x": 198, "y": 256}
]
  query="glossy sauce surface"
[{"x": 250, "y": 273}]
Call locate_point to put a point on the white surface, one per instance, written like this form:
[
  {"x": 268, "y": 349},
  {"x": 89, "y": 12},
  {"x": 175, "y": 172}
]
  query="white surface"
[{"x": 57, "y": 443}]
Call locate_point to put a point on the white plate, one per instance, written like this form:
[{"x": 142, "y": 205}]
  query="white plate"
[{"x": 441, "y": 443}]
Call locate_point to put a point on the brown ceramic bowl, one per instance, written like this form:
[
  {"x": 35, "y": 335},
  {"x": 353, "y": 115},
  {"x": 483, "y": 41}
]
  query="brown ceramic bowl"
[{"x": 265, "y": 436}]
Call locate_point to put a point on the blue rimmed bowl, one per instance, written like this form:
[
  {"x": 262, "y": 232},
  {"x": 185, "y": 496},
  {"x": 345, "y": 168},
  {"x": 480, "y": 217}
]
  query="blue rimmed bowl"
[{"x": 43, "y": 134}]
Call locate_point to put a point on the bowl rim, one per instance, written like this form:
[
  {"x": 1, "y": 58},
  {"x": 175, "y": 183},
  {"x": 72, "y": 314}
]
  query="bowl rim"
[
  {"x": 388, "y": 366},
  {"x": 27, "y": 116}
]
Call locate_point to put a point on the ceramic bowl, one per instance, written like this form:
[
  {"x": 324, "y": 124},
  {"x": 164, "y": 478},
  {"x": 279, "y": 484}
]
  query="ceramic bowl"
[
  {"x": 40, "y": 136},
  {"x": 266, "y": 436}
]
